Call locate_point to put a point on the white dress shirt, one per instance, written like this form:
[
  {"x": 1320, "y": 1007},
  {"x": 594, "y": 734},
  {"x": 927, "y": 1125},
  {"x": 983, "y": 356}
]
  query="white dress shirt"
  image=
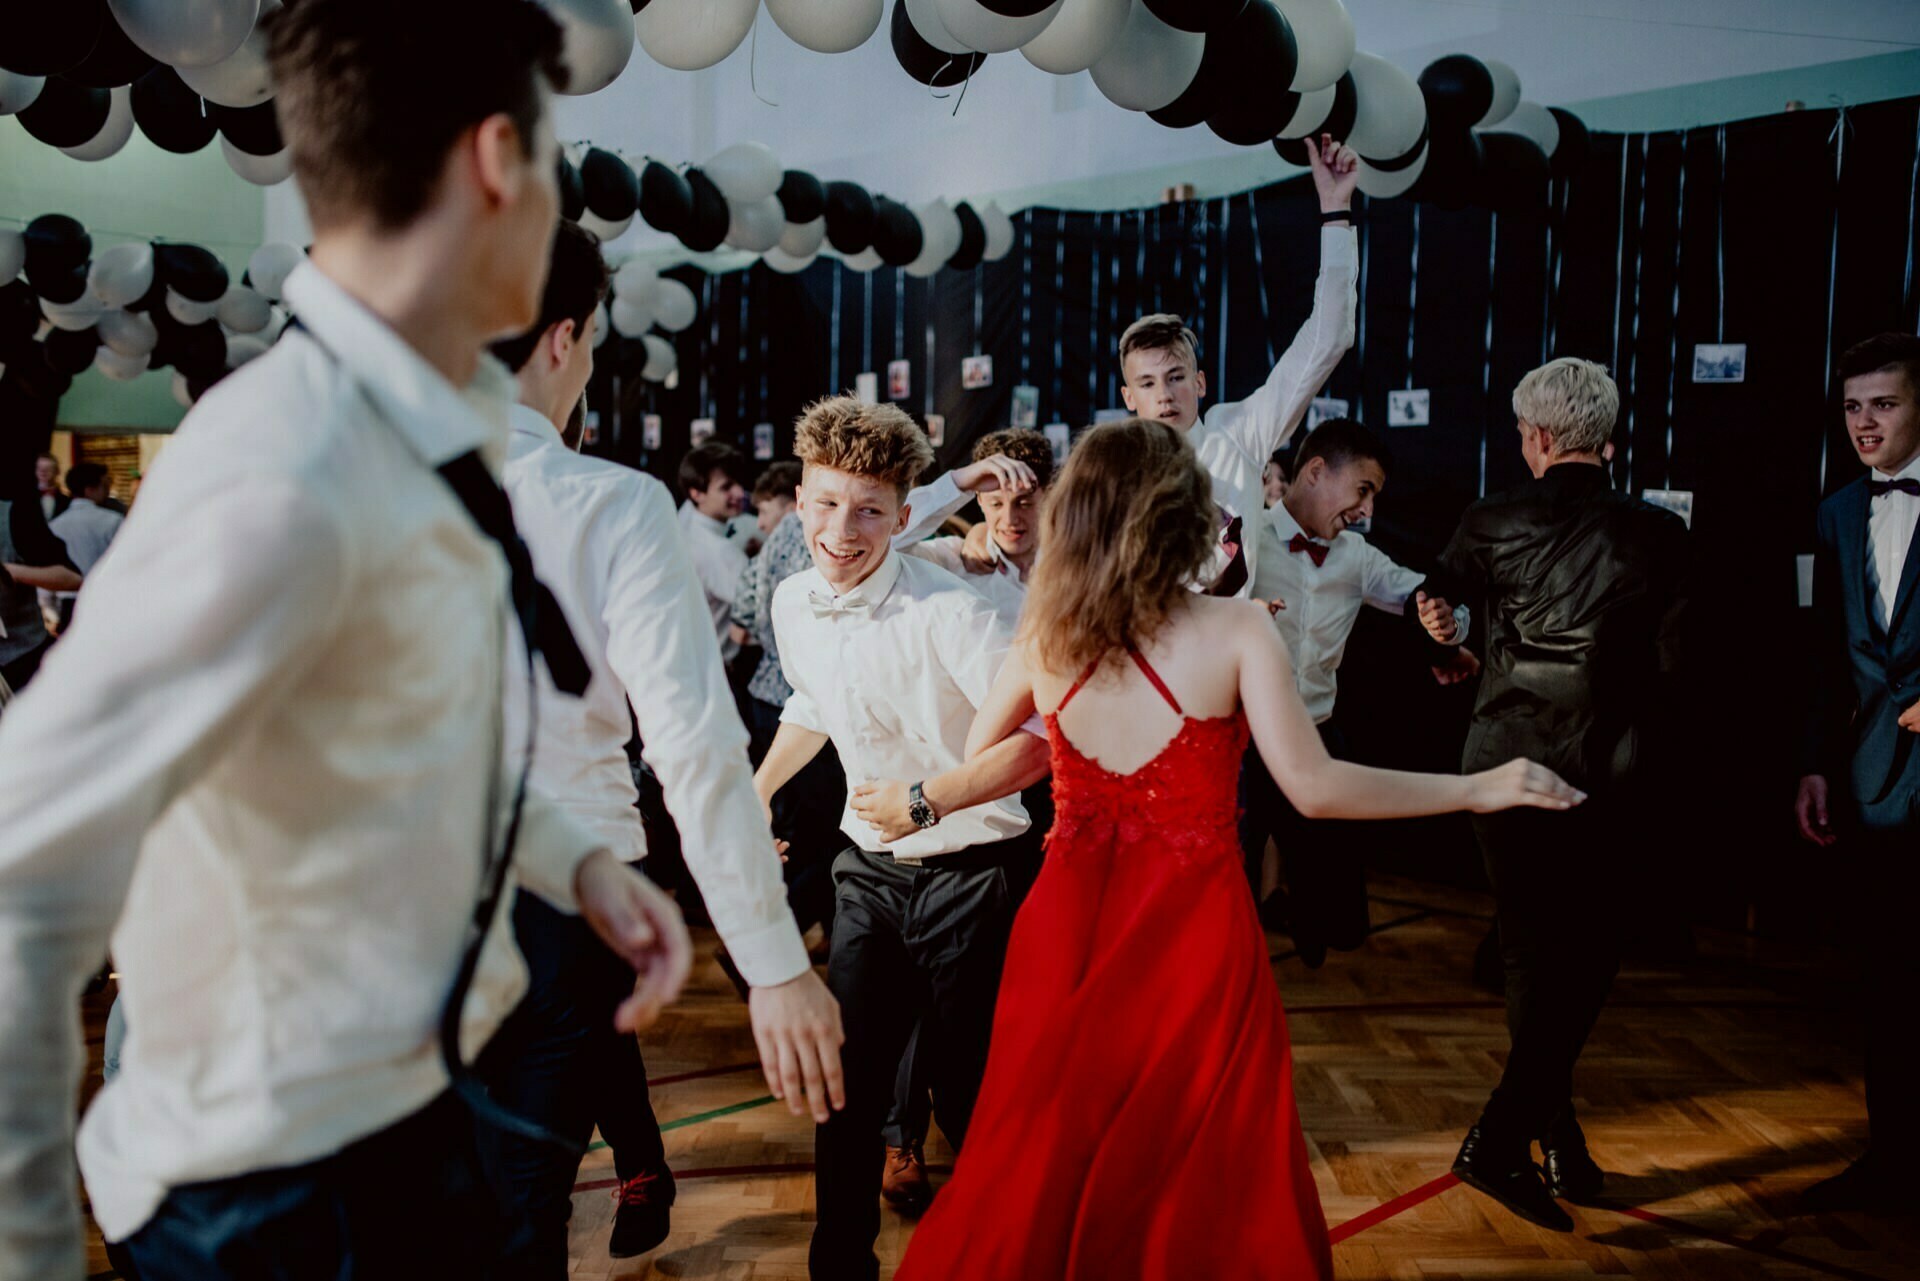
[
  {"x": 1324, "y": 600},
  {"x": 1236, "y": 439},
  {"x": 265, "y": 749},
  {"x": 86, "y": 528},
  {"x": 719, "y": 561},
  {"x": 929, "y": 506},
  {"x": 1891, "y": 521},
  {"x": 893, "y": 672},
  {"x": 604, "y": 539}
]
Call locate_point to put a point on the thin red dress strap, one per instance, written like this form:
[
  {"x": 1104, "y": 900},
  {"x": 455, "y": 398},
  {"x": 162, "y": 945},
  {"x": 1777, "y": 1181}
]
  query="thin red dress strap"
[
  {"x": 1140, "y": 661},
  {"x": 1075, "y": 687}
]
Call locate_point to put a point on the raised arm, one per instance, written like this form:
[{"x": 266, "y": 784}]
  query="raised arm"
[{"x": 930, "y": 505}]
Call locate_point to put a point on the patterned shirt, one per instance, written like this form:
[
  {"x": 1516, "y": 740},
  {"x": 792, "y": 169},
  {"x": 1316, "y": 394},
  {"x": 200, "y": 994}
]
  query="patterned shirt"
[{"x": 784, "y": 555}]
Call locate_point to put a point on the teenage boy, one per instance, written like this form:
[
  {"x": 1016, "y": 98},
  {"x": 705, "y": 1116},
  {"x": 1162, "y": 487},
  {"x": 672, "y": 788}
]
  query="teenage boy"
[
  {"x": 1009, "y": 475},
  {"x": 714, "y": 479}
]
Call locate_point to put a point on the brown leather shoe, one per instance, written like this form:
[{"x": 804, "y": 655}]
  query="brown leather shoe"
[{"x": 905, "y": 1183}]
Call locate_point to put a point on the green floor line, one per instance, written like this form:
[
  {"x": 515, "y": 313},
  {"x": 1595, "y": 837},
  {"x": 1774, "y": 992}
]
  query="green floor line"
[{"x": 698, "y": 1117}]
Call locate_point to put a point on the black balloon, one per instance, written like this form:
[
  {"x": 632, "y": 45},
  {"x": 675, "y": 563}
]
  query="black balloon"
[
  {"x": 1514, "y": 173},
  {"x": 200, "y": 350},
  {"x": 897, "y": 236},
  {"x": 1202, "y": 94},
  {"x": 19, "y": 316},
  {"x": 973, "y": 239},
  {"x": 46, "y": 37},
  {"x": 171, "y": 115},
  {"x": 70, "y": 351},
  {"x": 928, "y": 65},
  {"x": 115, "y": 60},
  {"x": 1260, "y": 59},
  {"x": 1456, "y": 163},
  {"x": 1338, "y": 124},
  {"x": 199, "y": 384},
  {"x": 1014, "y": 8},
  {"x": 192, "y": 272},
  {"x": 59, "y": 286},
  {"x": 30, "y": 374},
  {"x": 1196, "y": 15},
  {"x": 612, "y": 192},
  {"x": 666, "y": 199},
  {"x": 573, "y": 193},
  {"x": 56, "y": 243},
  {"x": 1570, "y": 155},
  {"x": 711, "y": 216},
  {"x": 66, "y": 114},
  {"x": 849, "y": 213},
  {"x": 802, "y": 198},
  {"x": 254, "y": 130},
  {"x": 1458, "y": 89}
]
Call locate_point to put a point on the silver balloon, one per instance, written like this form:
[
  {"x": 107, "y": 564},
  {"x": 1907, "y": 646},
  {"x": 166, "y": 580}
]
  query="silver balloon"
[
  {"x": 757, "y": 225},
  {"x": 261, "y": 171},
  {"x": 598, "y": 37},
  {"x": 999, "y": 229},
  {"x": 803, "y": 239},
  {"x": 939, "y": 238},
  {"x": 244, "y": 310},
  {"x": 1323, "y": 33},
  {"x": 242, "y": 78},
  {"x": 662, "y": 359},
  {"x": 691, "y": 35},
  {"x": 635, "y": 279},
  {"x": 120, "y": 367},
  {"x": 867, "y": 259},
  {"x": 187, "y": 33},
  {"x": 1150, "y": 64},
  {"x": 121, "y": 276},
  {"x": 113, "y": 134},
  {"x": 242, "y": 349},
  {"x": 631, "y": 318},
  {"x": 1309, "y": 114},
  {"x": 979, "y": 27},
  {"x": 827, "y": 26},
  {"x": 1383, "y": 184},
  {"x": 788, "y": 264},
  {"x": 270, "y": 266},
  {"x": 745, "y": 172},
  {"x": 1531, "y": 120},
  {"x": 1389, "y": 111},
  {"x": 187, "y": 311},
  {"x": 18, "y": 92},
  {"x": 1506, "y": 92},
  {"x": 1079, "y": 36},
  {"x": 674, "y": 306},
  {"x": 13, "y": 254},
  {"x": 73, "y": 316},
  {"x": 131, "y": 333}
]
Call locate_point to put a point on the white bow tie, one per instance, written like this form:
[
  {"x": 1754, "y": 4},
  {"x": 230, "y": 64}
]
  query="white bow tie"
[{"x": 829, "y": 606}]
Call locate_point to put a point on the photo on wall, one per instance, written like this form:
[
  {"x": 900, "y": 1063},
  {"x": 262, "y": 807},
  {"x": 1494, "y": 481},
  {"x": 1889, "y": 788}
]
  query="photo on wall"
[
  {"x": 1720, "y": 362},
  {"x": 651, "y": 432},
  {"x": 763, "y": 441},
  {"x": 976, "y": 372},
  {"x": 899, "y": 379},
  {"x": 700, "y": 431},
  {"x": 1025, "y": 411},
  {"x": 936, "y": 429}
]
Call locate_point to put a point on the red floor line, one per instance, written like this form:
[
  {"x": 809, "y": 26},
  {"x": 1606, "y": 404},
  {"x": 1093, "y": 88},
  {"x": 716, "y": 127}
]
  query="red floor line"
[
  {"x": 702, "y": 1074},
  {"x": 1490, "y": 1003},
  {"x": 1751, "y": 1247},
  {"x": 1387, "y": 1210}
]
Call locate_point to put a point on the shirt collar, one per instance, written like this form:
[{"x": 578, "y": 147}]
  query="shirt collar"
[
  {"x": 529, "y": 425},
  {"x": 438, "y": 420},
  {"x": 1910, "y": 472},
  {"x": 1286, "y": 526},
  {"x": 878, "y": 585},
  {"x": 82, "y": 503},
  {"x": 694, "y": 516}
]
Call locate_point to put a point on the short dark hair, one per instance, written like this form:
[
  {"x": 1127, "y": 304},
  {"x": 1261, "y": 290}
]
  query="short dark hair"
[
  {"x": 1340, "y": 441},
  {"x": 1883, "y": 351},
  {"x": 576, "y": 285},
  {"x": 779, "y": 480},
  {"x": 1283, "y": 459},
  {"x": 697, "y": 468},
  {"x": 372, "y": 94},
  {"x": 1023, "y": 445},
  {"x": 84, "y": 476}
]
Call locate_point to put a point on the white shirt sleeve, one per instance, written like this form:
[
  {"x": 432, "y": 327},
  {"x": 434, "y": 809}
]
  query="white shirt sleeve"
[
  {"x": 1387, "y": 585},
  {"x": 1264, "y": 421},
  {"x": 190, "y": 633},
  {"x": 661, "y": 647},
  {"x": 928, "y": 509}
]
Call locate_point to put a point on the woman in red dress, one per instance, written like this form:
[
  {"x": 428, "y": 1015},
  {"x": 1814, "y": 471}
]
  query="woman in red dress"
[{"x": 1137, "y": 1118}]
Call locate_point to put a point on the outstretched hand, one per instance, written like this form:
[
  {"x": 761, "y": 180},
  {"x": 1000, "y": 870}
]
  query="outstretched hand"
[
  {"x": 1336, "y": 172},
  {"x": 796, "y": 1027},
  {"x": 1520, "y": 782},
  {"x": 643, "y": 927}
]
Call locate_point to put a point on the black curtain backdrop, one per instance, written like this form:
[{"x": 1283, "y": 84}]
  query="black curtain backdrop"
[{"x": 1793, "y": 234}]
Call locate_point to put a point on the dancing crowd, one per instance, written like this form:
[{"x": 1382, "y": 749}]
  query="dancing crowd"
[{"x": 378, "y": 731}]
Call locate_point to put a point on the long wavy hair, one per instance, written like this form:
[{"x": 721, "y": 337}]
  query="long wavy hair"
[{"x": 1128, "y": 527}]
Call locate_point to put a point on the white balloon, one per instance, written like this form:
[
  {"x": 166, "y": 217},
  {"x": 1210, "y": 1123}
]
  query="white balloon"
[
  {"x": 1383, "y": 184},
  {"x": 602, "y": 325},
  {"x": 242, "y": 349},
  {"x": 244, "y": 310},
  {"x": 938, "y": 222},
  {"x": 689, "y": 35},
  {"x": 933, "y": 246},
  {"x": 131, "y": 333},
  {"x": 114, "y": 133},
  {"x": 1150, "y": 63},
  {"x": 634, "y": 279},
  {"x": 277, "y": 319},
  {"x": 261, "y": 171},
  {"x": 980, "y": 28},
  {"x": 630, "y": 318},
  {"x": 803, "y": 239},
  {"x": 118, "y": 366},
  {"x": 674, "y": 306},
  {"x": 662, "y": 359},
  {"x": 745, "y": 172},
  {"x": 598, "y": 41},
  {"x": 788, "y": 264},
  {"x": 242, "y": 78},
  {"x": 1079, "y": 36},
  {"x": 13, "y": 254},
  {"x": 1323, "y": 32},
  {"x": 17, "y": 92},
  {"x": 1389, "y": 111},
  {"x": 999, "y": 229},
  {"x": 187, "y": 311},
  {"x": 187, "y": 33},
  {"x": 181, "y": 394},
  {"x": 925, "y": 17},
  {"x": 605, "y": 229},
  {"x": 1506, "y": 92},
  {"x": 867, "y": 259},
  {"x": 1531, "y": 120},
  {"x": 757, "y": 226},
  {"x": 1310, "y": 114},
  {"x": 121, "y": 276},
  {"x": 270, "y": 266},
  {"x": 827, "y": 26},
  {"x": 74, "y": 316}
]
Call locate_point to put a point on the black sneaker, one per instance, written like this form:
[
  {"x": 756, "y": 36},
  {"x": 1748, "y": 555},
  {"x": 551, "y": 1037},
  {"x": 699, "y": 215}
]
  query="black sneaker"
[{"x": 642, "y": 1219}]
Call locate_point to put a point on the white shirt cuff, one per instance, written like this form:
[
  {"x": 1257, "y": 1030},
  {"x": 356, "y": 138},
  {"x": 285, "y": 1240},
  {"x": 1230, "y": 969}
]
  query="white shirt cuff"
[{"x": 770, "y": 955}]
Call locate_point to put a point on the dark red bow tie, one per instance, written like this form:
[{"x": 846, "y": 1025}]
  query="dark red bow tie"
[
  {"x": 1301, "y": 543},
  {"x": 1908, "y": 486}
]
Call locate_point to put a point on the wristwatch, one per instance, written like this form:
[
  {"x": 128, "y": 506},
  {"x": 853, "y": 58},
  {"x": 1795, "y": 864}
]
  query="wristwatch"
[{"x": 920, "y": 809}]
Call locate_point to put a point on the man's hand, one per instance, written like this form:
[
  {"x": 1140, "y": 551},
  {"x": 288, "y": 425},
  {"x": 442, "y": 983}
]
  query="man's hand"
[
  {"x": 1910, "y": 719},
  {"x": 643, "y": 927},
  {"x": 976, "y": 551},
  {"x": 1463, "y": 666},
  {"x": 1436, "y": 615},
  {"x": 883, "y": 807},
  {"x": 796, "y": 1025},
  {"x": 997, "y": 472},
  {"x": 1810, "y": 809},
  {"x": 738, "y": 634},
  {"x": 1274, "y": 606},
  {"x": 1336, "y": 170}
]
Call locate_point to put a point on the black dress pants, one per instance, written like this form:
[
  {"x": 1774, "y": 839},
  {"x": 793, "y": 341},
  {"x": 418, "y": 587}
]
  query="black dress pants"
[
  {"x": 908, "y": 942},
  {"x": 1884, "y": 881},
  {"x": 1325, "y": 880},
  {"x": 806, "y": 814}
]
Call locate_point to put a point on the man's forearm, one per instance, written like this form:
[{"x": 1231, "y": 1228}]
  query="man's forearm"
[
  {"x": 53, "y": 578},
  {"x": 793, "y": 746},
  {"x": 1015, "y": 762}
]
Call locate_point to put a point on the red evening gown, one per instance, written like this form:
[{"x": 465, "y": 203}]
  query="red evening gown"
[{"x": 1137, "y": 1117}]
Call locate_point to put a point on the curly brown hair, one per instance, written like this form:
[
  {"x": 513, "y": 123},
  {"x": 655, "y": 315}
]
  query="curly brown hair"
[
  {"x": 1023, "y": 445},
  {"x": 1128, "y": 527},
  {"x": 876, "y": 441}
]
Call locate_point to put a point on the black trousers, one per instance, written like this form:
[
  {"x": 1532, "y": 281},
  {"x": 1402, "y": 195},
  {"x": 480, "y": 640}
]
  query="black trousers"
[
  {"x": 411, "y": 1201},
  {"x": 908, "y": 942},
  {"x": 1884, "y": 880},
  {"x": 1325, "y": 880},
  {"x": 559, "y": 1061},
  {"x": 806, "y": 814},
  {"x": 1557, "y": 881}
]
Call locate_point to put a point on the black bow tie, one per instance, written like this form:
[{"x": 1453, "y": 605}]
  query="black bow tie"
[{"x": 1910, "y": 487}]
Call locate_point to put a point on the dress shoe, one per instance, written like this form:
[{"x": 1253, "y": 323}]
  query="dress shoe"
[
  {"x": 1572, "y": 1174},
  {"x": 1507, "y": 1174},
  {"x": 904, "y": 1185},
  {"x": 642, "y": 1216},
  {"x": 1868, "y": 1184}
]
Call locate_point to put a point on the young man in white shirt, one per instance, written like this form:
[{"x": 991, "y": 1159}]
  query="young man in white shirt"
[
  {"x": 1312, "y": 561},
  {"x": 273, "y": 731},
  {"x": 714, "y": 479},
  {"x": 1009, "y": 475},
  {"x": 1159, "y": 361},
  {"x": 86, "y": 527},
  {"x": 603, "y": 536},
  {"x": 890, "y": 657}
]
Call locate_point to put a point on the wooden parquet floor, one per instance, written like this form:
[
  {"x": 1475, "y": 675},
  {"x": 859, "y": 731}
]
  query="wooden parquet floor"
[{"x": 1714, "y": 1089}]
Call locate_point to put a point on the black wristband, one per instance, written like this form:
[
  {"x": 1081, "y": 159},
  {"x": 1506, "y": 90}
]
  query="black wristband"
[{"x": 1337, "y": 215}]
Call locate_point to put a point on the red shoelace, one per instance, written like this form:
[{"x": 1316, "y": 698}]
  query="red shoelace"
[{"x": 639, "y": 1190}]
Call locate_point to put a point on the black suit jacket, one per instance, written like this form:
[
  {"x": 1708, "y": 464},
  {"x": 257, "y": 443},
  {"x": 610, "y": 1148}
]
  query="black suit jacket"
[
  {"x": 1865, "y": 675},
  {"x": 1583, "y": 589}
]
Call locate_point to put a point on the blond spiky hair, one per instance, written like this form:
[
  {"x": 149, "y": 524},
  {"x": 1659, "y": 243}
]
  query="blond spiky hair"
[{"x": 876, "y": 441}]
